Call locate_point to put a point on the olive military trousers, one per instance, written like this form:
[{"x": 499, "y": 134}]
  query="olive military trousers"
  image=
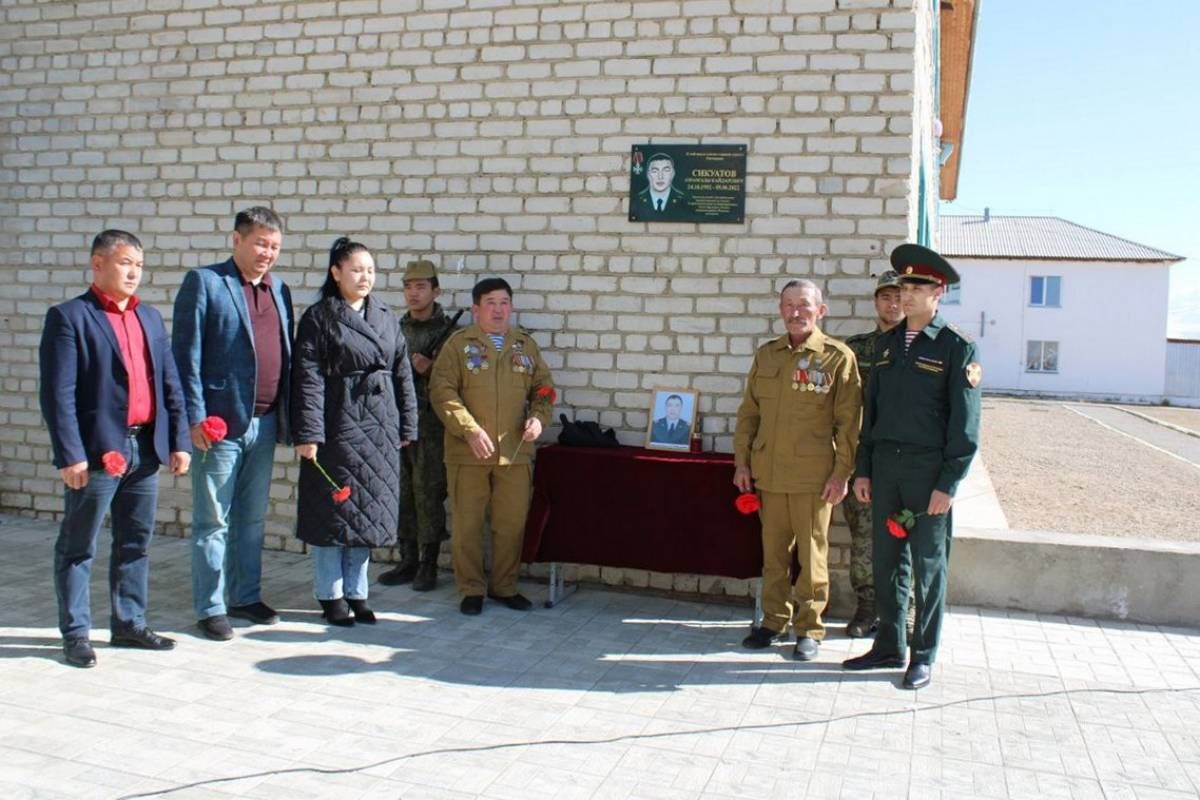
[
  {"x": 905, "y": 478},
  {"x": 502, "y": 493},
  {"x": 795, "y": 523}
]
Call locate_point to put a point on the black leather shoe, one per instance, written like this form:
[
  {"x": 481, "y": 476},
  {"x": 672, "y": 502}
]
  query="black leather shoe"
[
  {"x": 760, "y": 638},
  {"x": 141, "y": 637},
  {"x": 337, "y": 612},
  {"x": 873, "y": 659},
  {"x": 400, "y": 574},
  {"x": 259, "y": 613},
  {"x": 918, "y": 676},
  {"x": 472, "y": 605},
  {"x": 362, "y": 612},
  {"x": 216, "y": 628},
  {"x": 517, "y": 602},
  {"x": 79, "y": 653},
  {"x": 805, "y": 649}
]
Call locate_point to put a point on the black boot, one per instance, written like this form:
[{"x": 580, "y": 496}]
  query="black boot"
[
  {"x": 404, "y": 571},
  {"x": 362, "y": 612},
  {"x": 337, "y": 612},
  {"x": 426, "y": 578}
]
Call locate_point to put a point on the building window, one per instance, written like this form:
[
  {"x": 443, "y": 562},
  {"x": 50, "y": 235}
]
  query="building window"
[
  {"x": 1041, "y": 356},
  {"x": 1045, "y": 290},
  {"x": 953, "y": 295}
]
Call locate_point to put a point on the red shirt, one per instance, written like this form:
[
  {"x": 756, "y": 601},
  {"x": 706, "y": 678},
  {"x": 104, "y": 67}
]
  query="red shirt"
[
  {"x": 135, "y": 355},
  {"x": 268, "y": 342}
]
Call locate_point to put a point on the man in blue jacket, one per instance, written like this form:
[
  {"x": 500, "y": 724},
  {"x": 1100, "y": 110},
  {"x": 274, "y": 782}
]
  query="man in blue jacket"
[
  {"x": 232, "y": 337},
  {"x": 114, "y": 407}
]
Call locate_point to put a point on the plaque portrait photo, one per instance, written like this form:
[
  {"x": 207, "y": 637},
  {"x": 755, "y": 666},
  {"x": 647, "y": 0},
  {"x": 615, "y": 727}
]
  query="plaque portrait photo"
[{"x": 672, "y": 414}]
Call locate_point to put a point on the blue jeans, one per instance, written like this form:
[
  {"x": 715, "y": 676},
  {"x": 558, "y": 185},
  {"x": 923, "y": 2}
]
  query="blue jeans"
[
  {"x": 340, "y": 572},
  {"x": 132, "y": 499},
  {"x": 229, "y": 507}
]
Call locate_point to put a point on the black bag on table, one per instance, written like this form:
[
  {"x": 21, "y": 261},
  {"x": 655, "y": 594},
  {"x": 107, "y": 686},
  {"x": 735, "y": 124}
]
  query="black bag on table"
[{"x": 585, "y": 434}]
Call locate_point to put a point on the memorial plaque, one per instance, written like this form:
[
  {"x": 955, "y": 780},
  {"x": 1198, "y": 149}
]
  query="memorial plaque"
[{"x": 688, "y": 183}]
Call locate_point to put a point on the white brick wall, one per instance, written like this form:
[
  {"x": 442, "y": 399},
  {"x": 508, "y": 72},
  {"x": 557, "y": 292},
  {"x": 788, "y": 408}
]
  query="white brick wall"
[{"x": 492, "y": 136}]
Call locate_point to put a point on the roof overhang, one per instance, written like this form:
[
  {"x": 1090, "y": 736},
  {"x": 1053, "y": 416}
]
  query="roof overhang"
[{"x": 957, "y": 22}]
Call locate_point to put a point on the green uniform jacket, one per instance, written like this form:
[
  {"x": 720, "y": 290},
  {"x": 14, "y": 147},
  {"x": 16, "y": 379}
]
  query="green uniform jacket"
[
  {"x": 863, "y": 345},
  {"x": 923, "y": 398},
  {"x": 420, "y": 334},
  {"x": 795, "y": 439},
  {"x": 472, "y": 386}
]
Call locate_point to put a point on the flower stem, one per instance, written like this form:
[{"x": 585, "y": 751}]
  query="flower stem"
[{"x": 321, "y": 469}]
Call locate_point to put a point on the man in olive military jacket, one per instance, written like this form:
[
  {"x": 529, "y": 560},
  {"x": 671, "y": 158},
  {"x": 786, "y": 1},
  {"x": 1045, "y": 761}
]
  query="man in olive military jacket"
[
  {"x": 794, "y": 444},
  {"x": 485, "y": 387},
  {"x": 920, "y": 431}
]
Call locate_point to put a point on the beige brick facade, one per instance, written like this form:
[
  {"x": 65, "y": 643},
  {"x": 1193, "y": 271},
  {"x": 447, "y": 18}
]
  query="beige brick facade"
[{"x": 490, "y": 135}]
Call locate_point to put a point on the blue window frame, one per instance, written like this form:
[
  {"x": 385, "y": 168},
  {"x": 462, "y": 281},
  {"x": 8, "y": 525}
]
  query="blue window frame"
[{"x": 1045, "y": 290}]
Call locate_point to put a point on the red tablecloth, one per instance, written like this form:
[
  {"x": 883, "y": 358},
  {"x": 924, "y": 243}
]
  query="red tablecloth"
[{"x": 643, "y": 509}]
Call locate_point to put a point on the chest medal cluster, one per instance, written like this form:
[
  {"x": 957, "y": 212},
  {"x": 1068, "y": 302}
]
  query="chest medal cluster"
[
  {"x": 810, "y": 376},
  {"x": 476, "y": 357},
  {"x": 521, "y": 363}
]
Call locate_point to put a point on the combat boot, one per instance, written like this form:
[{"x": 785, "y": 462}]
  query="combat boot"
[
  {"x": 426, "y": 577},
  {"x": 864, "y": 622},
  {"x": 406, "y": 570}
]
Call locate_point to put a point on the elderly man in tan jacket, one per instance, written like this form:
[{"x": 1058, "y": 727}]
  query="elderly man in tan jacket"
[
  {"x": 796, "y": 433},
  {"x": 492, "y": 390}
]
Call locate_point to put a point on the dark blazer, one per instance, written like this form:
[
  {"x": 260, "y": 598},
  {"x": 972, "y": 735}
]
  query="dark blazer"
[
  {"x": 214, "y": 347},
  {"x": 84, "y": 389},
  {"x": 681, "y": 435},
  {"x": 353, "y": 397},
  {"x": 676, "y": 206}
]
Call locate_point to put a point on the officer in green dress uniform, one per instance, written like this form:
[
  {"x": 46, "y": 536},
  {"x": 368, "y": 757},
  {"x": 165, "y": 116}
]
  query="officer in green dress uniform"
[{"x": 920, "y": 432}]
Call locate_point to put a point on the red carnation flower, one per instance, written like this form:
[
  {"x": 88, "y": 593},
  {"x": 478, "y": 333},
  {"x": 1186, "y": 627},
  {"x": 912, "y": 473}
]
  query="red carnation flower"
[
  {"x": 747, "y": 503},
  {"x": 114, "y": 463},
  {"x": 214, "y": 428},
  {"x": 896, "y": 529},
  {"x": 341, "y": 495}
]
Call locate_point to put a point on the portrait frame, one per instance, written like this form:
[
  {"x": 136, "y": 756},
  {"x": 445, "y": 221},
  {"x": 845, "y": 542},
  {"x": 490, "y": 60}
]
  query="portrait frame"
[{"x": 659, "y": 434}]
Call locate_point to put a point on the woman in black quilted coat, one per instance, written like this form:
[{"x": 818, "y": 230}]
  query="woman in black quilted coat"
[{"x": 353, "y": 408}]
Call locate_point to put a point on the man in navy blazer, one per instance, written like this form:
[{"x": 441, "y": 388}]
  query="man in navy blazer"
[
  {"x": 232, "y": 338},
  {"x": 111, "y": 398}
]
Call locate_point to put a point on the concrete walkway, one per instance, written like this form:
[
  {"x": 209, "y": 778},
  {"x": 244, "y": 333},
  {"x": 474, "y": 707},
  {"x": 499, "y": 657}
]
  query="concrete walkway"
[
  {"x": 609, "y": 695},
  {"x": 1183, "y": 446}
]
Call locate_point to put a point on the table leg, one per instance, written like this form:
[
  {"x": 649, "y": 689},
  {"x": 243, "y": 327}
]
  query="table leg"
[
  {"x": 758, "y": 607},
  {"x": 557, "y": 590}
]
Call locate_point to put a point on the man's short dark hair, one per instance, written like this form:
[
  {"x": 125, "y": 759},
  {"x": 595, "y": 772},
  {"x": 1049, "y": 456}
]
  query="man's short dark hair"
[
  {"x": 487, "y": 286},
  {"x": 660, "y": 157},
  {"x": 257, "y": 217},
  {"x": 107, "y": 240},
  {"x": 671, "y": 397}
]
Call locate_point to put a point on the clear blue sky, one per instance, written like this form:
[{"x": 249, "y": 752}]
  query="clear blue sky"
[{"x": 1090, "y": 110}]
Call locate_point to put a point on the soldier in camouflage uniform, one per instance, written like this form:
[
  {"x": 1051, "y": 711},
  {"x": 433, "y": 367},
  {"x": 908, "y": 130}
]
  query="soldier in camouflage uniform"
[
  {"x": 423, "y": 477},
  {"x": 888, "y": 315}
]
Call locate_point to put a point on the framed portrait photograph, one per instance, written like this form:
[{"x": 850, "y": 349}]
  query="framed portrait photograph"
[{"x": 672, "y": 414}]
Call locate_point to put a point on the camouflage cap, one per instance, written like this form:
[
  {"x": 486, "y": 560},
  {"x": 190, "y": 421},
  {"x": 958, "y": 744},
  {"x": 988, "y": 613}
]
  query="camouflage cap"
[
  {"x": 888, "y": 280},
  {"x": 419, "y": 271}
]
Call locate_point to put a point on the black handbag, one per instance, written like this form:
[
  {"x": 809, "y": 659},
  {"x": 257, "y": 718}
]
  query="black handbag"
[{"x": 585, "y": 434}]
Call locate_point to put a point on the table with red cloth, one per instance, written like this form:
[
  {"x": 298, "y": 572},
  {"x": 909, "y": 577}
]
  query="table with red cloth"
[{"x": 642, "y": 509}]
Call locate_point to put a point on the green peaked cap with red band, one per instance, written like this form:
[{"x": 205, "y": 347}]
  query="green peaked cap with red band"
[{"x": 916, "y": 264}]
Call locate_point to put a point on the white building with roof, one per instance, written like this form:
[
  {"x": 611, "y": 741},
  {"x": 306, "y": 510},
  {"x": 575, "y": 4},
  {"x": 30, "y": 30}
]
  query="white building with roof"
[{"x": 1058, "y": 308}]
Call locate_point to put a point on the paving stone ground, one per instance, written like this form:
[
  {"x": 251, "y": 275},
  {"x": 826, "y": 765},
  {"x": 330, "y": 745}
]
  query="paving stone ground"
[{"x": 609, "y": 695}]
